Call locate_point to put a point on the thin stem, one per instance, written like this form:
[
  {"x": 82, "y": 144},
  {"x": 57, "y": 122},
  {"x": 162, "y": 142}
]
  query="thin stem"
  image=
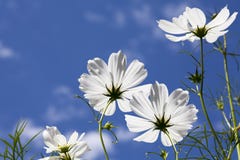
[
  {"x": 100, "y": 130},
  {"x": 234, "y": 120},
  {"x": 203, "y": 101},
  {"x": 174, "y": 147}
]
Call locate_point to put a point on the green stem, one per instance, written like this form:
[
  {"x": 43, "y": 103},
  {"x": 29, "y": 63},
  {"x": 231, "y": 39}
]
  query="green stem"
[
  {"x": 234, "y": 120},
  {"x": 203, "y": 101},
  {"x": 174, "y": 147},
  {"x": 100, "y": 130}
]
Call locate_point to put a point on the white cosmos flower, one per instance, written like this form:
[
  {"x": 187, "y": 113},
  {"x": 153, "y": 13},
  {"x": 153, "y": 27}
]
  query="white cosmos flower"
[
  {"x": 112, "y": 82},
  {"x": 161, "y": 113},
  {"x": 191, "y": 25},
  {"x": 57, "y": 143}
]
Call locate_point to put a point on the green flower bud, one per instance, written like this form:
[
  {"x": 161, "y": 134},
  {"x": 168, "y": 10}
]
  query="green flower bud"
[
  {"x": 108, "y": 126},
  {"x": 164, "y": 154}
]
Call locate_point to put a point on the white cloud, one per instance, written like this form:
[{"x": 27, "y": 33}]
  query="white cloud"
[
  {"x": 170, "y": 10},
  {"x": 62, "y": 113},
  {"x": 94, "y": 17},
  {"x": 124, "y": 135},
  {"x": 92, "y": 139},
  {"x": 5, "y": 52},
  {"x": 143, "y": 16},
  {"x": 120, "y": 18},
  {"x": 64, "y": 91},
  {"x": 63, "y": 107}
]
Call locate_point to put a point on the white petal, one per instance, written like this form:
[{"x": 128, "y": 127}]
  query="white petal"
[
  {"x": 97, "y": 100},
  {"x": 184, "y": 115},
  {"x": 158, "y": 97},
  {"x": 111, "y": 109},
  {"x": 100, "y": 104},
  {"x": 213, "y": 35},
  {"x": 137, "y": 124},
  {"x": 50, "y": 158},
  {"x": 117, "y": 66},
  {"x": 98, "y": 67},
  {"x": 134, "y": 75},
  {"x": 165, "y": 140},
  {"x": 195, "y": 16},
  {"x": 177, "y": 98},
  {"x": 175, "y": 135},
  {"x": 61, "y": 139},
  {"x": 170, "y": 27},
  {"x": 227, "y": 23},
  {"x": 182, "y": 22},
  {"x": 150, "y": 136},
  {"x": 73, "y": 138},
  {"x": 78, "y": 150},
  {"x": 221, "y": 17},
  {"x": 141, "y": 105},
  {"x": 48, "y": 136},
  {"x": 81, "y": 136},
  {"x": 124, "y": 105},
  {"x": 92, "y": 84},
  {"x": 143, "y": 88},
  {"x": 190, "y": 36}
]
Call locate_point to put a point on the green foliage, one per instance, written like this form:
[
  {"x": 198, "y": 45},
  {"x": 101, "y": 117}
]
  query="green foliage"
[{"x": 15, "y": 149}]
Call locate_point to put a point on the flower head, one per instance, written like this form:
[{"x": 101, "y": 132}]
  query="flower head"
[
  {"x": 55, "y": 142},
  {"x": 161, "y": 113},
  {"x": 191, "y": 25},
  {"x": 108, "y": 83}
]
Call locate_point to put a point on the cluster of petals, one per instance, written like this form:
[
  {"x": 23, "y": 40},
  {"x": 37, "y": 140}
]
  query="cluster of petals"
[
  {"x": 191, "y": 25},
  {"x": 161, "y": 113},
  {"x": 55, "y": 142},
  {"x": 112, "y": 82}
]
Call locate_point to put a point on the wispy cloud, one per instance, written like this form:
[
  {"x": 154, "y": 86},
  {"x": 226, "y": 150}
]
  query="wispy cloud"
[
  {"x": 170, "y": 10},
  {"x": 94, "y": 17},
  {"x": 143, "y": 15},
  {"x": 63, "y": 107},
  {"x": 6, "y": 52},
  {"x": 124, "y": 135},
  {"x": 63, "y": 113},
  {"x": 92, "y": 139},
  {"x": 119, "y": 18}
]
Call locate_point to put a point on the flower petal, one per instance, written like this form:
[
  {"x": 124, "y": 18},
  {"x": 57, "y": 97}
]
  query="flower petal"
[
  {"x": 195, "y": 16},
  {"x": 91, "y": 84},
  {"x": 158, "y": 97},
  {"x": 134, "y": 75},
  {"x": 117, "y": 67},
  {"x": 184, "y": 115},
  {"x": 213, "y": 35},
  {"x": 141, "y": 105},
  {"x": 61, "y": 139},
  {"x": 150, "y": 136},
  {"x": 165, "y": 140},
  {"x": 221, "y": 17},
  {"x": 98, "y": 68},
  {"x": 137, "y": 124},
  {"x": 227, "y": 23},
  {"x": 177, "y": 98},
  {"x": 78, "y": 150},
  {"x": 190, "y": 36},
  {"x": 48, "y": 135},
  {"x": 73, "y": 138},
  {"x": 170, "y": 27},
  {"x": 124, "y": 105}
]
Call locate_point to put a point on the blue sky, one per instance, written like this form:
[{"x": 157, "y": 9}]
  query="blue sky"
[{"x": 45, "y": 45}]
